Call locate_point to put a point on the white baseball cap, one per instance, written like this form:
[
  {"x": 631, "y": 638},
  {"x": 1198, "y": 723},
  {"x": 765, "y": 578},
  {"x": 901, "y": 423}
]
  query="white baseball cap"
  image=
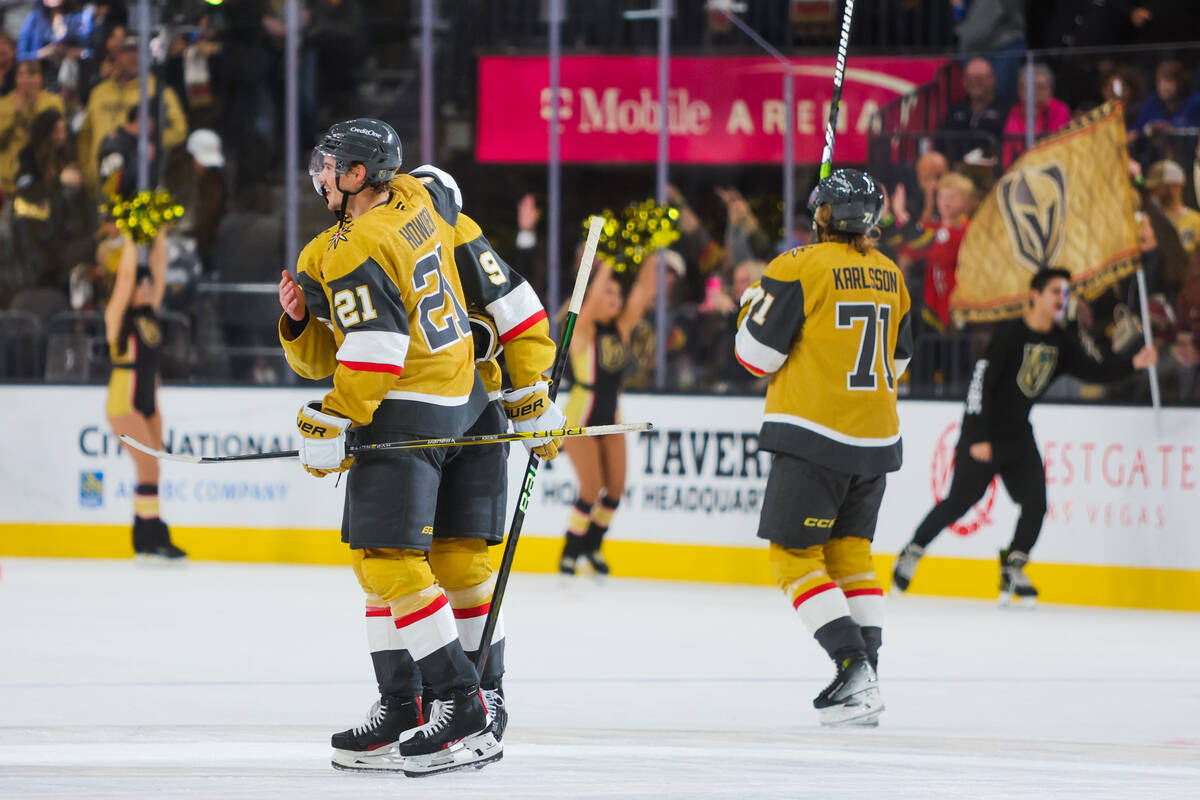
[{"x": 205, "y": 147}]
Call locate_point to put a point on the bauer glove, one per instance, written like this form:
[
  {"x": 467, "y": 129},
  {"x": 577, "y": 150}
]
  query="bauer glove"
[
  {"x": 530, "y": 410},
  {"x": 323, "y": 441}
]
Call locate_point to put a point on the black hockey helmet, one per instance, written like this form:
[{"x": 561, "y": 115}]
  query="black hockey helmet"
[
  {"x": 854, "y": 196},
  {"x": 370, "y": 142}
]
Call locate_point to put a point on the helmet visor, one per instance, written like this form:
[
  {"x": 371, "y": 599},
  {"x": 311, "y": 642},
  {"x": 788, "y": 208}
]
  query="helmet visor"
[{"x": 317, "y": 164}]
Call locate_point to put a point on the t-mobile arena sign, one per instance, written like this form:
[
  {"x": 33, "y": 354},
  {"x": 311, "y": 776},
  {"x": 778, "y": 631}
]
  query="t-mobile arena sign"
[{"x": 721, "y": 110}]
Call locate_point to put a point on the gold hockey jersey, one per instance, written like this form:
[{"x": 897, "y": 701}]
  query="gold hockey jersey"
[
  {"x": 831, "y": 327},
  {"x": 485, "y": 283}
]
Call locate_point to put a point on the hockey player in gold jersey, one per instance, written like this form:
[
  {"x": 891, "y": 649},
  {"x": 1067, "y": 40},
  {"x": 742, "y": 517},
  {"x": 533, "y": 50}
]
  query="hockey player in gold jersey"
[
  {"x": 381, "y": 305},
  {"x": 829, "y": 323}
]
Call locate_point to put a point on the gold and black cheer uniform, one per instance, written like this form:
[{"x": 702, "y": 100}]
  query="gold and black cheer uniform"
[
  {"x": 135, "y": 363},
  {"x": 598, "y": 373}
]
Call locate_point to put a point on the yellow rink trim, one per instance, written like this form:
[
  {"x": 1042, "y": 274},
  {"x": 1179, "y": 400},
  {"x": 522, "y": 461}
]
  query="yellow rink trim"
[{"x": 1129, "y": 587}]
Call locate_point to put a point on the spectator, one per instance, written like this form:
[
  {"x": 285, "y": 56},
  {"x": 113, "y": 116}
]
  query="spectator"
[
  {"x": 1187, "y": 338},
  {"x": 938, "y": 247},
  {"x": 108, "y": 107},
  {"x": 17, "y": 112},
  {"x": 929, "y": 168},
  {"x": 55, "y": 32},
  {"x": 8, "y": 63},
  {"x": 118, "y": 154},
  {"x": 744, "y": 237},
  {"x": 1165, "y": 182},
  {"x": 1124, "y": 85},
  {"x": 995, "y": 27},
  {"x": 1049, "y": 114},
  {"x": 207, "y": 200},
  {"x": 982, "y": 113},
  {"x": 54, "y": 221},
  {"x": 1172, "y": 105}
]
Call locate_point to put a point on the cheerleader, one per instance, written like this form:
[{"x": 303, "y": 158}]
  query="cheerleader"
[
  {"x": 135, "y": 343},
  {"x": 601, "y": 358}
]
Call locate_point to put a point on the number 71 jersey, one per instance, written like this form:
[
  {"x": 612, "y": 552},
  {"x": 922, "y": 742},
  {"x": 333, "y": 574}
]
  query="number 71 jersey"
[{"x": 831, "y": 327}]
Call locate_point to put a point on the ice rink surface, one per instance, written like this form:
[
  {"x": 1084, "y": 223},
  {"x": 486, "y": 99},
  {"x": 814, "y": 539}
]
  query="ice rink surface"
[{"x": 226, "y": 680}]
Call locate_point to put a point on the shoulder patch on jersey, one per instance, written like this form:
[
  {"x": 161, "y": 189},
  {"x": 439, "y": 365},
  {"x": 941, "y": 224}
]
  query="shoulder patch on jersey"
[{"x": 427, "y": 172}]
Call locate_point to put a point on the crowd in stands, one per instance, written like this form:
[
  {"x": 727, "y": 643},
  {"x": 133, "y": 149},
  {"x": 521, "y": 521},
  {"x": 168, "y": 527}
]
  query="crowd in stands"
[{"x": 69, "y": 125}]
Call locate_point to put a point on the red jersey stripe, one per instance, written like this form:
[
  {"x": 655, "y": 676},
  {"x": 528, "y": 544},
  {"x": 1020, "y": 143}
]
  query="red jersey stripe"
[
  {"x": 428, "y": 611},
  {"x": 857, "y": 592},
  {"x": 469, "y": 613},
  {"x": 824, "y": 587},
  {"x": 517, "y": 330},
  {"x": 753, "y": 369},
  {"x": 366, "y": 366},
  {"x": 378, "y": 611}
]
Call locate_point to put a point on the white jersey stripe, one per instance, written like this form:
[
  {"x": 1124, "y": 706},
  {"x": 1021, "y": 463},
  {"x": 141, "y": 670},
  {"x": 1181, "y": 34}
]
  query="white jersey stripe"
[
  {"x": 514, "y": 308},
  {"x": 429, "y": 630},
  {"x": 830, "y": 433},
  {"x": 758, "y": 355},
  {"x": 442, "y": 177},
  {"x": 822, "y": 608},
  {"x": 374, "y": 347},
  {"x": 431, "y": 399},
  {"x": 866, "y": 609}
]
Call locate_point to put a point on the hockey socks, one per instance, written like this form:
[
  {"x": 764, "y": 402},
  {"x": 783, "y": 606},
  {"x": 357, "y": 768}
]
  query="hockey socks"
[
  {"x": 430, "y": 635},
  {"x": 471, "y": 607},
  {"x": 395, "y": 671}
]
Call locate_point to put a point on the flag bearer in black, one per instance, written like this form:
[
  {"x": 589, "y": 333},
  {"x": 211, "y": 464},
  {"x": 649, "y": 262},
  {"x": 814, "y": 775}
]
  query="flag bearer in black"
[{"x": 1023, "y": 358}]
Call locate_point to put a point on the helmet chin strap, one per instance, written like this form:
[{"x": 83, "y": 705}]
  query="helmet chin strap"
[{"x": 341, "y": 213}]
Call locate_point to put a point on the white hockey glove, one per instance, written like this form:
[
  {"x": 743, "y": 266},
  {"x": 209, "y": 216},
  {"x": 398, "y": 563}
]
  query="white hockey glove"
[
  {"x": 323, "y": 440},
  {"x": 530, "y": 410}
]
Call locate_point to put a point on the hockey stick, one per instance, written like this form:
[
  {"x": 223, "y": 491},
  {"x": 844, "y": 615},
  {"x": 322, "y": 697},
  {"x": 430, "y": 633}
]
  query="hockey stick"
[
  {"x": 595, "y": 226},
  {"x": 839, "y": 72},
  {"x": 410, "y": 444}
]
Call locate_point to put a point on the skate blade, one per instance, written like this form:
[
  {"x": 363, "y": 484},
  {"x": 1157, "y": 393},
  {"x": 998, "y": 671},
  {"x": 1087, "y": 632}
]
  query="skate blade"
[
  {"x": 1010, "y": 600},
  {"x": 387, "y": 761},
  {"x": 475, "y": 751},
  {"x": 859, "y": 709},
  {"x": 156, "y": 561}
]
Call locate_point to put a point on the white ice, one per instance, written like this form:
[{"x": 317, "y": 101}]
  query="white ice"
[{"x": 225, "y": 681}]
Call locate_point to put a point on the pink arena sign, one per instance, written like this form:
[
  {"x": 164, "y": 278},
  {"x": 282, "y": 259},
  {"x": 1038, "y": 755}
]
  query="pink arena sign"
[{"x": 721, "y": 110}]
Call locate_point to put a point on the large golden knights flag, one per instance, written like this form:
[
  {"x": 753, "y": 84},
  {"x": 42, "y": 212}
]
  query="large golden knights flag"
[{"x": 1066, "y": 203}]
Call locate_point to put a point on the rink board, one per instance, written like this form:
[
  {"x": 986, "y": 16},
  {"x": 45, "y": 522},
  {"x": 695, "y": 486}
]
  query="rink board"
[{"x": 1121, "y": 529}]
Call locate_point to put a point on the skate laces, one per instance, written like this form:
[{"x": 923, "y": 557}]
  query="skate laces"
[
  {"x": 492, "y": 700},
  {"x": 374, "y": 718},
  {"x": 439, "y": 717}
]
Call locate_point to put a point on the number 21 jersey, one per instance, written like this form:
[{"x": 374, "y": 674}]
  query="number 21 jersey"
[{"x": 831, "y": 327}]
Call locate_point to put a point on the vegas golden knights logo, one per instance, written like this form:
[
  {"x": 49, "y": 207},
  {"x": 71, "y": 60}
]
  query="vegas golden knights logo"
[
  {"x": 150, "y": 332},
  {"x": 1033, "y": 203},
  {"x": 1037, "y": 368}
]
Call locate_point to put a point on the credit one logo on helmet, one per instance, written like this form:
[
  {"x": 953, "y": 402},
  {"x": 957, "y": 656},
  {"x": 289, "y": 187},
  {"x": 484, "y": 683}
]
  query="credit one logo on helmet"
[
  {"x": 367, "y": 131},
  {"x": 1033, "y": 203},
  {"x": 941, "y": 472}
]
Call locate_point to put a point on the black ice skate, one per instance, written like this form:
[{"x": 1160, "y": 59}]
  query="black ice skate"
[
  {"x": 906, "y": 565},
  {"x": 493, "y": 700},
  {"x": 572, "y": 550},
  {"x": 1015, "y": 587},
  {"x": 596, "y": 559},
  {"x": 457, "y": 735},
  {"x": 152, "y": 542},
  {"x": 853, "y": 696},
  {"x": 371, "y": 747}
]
